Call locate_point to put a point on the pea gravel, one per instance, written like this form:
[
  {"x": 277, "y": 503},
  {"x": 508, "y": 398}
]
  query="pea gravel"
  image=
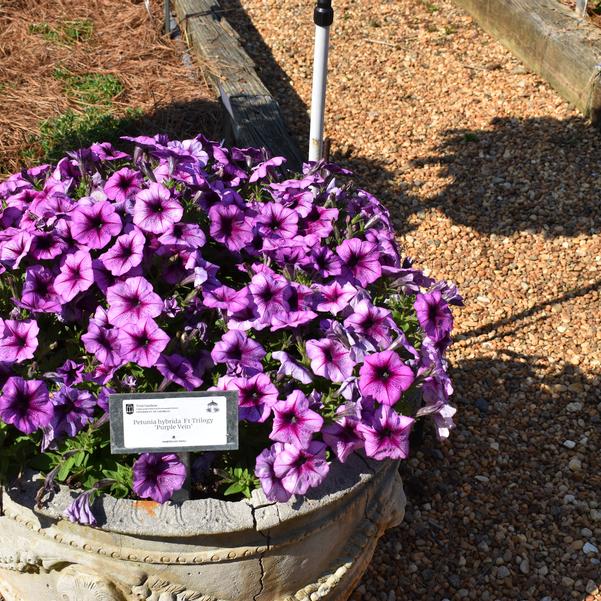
[{"x": 494, "y": 182}]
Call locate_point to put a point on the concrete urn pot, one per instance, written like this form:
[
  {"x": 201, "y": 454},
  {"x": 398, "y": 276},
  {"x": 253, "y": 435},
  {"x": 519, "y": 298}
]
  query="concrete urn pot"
[{"x": 206, "y": 550}]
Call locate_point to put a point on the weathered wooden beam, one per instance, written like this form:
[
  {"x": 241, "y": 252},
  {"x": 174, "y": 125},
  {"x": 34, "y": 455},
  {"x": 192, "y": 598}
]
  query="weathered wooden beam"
[
  {"x": 552, "y": 41},
  {"x": 255, "y": 117}
]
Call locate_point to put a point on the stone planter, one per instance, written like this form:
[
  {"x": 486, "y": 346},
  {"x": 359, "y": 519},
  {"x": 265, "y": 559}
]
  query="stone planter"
[{"x": 206, "y": 550}]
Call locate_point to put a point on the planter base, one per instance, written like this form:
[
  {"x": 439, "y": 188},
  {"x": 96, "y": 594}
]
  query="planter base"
[{"x": 208, "y": 550}]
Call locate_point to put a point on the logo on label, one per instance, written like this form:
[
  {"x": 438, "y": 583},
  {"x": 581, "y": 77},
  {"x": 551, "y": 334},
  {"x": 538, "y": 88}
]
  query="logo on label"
[
  {"x": 212, "y": 407},
  {"x": 129, "y": 408}
]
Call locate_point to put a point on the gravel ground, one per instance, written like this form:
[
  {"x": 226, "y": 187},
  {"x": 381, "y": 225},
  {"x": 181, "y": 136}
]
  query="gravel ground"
[{"x": 494, "y": 182}]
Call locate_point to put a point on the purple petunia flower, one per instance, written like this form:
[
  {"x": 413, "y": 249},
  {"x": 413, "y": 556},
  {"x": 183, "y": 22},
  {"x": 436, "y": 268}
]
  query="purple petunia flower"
[
  {"x": 293, "y": 421},
  {"x": 125, "y": 254},
  {"x": 268, "y": 293},
  {"x": 237, "y": 348},
  {"x": 361, "y": 260},
  {"x": 157, "y": 476},
  {"x": 385, "y": 377},
  {"x": 371, "y": 321},
  {"x": 76, "y": 275},
  {"x": 80, "y": 510},
  {"x": 38, "y": 293},
  {"x": 14, "y": 246},
  {"x": 18, "y": 341},
  {"x": 262, "y": 170},
  {"x": 276, "y": 220},
  {"x": 123, "y": 184},
  {"x": 341, "y": 436},
  {"x": 388, "y": 435},
  {"x": 133, "y": 300},
  {"x": 324, "y": 262},
  {"x": 289, "y": 367},
  {"x": 46, "y": 245},
  {"x": 434, "y": 315},
  {"x": 104, "y": 344},
  {"x": 142, "y": 342},
  {"x": 442, "y": 413},
  {"x": 94, "y": 225},
  {"x": 183, "y": 235},
  {"x": 70, "y": 372},
  {"x": 257, "y": 396},
  {"x": 271, "y": 484},
  {"x": 330, "y": 359},
  {"x": 73, "y": 409},
  {"x": 179, "y": 370},
  {"x": 300, "y": 469},
  {"x": 230, "y": 226},
  {"x": 25, "y": 404},
  {"x": 155, "y": 211}
]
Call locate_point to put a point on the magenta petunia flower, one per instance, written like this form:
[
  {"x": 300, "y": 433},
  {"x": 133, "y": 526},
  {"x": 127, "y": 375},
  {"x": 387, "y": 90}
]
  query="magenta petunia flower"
[
  {"x": 25, "y": 404},
  {"x": 270, "y": 483},
  {"x": 75, "y": 275},
  {"x": 179, "y": 370},
  {"x": 104, "y": 344},
  {"x": 157, "y": 476},
  {"x": 71, "y": 372},
  {"x": 230, "y": 226},
  {"x": 276, "y": 220},
  {"x": 142, "y": 342},
  {"x": 224, "y": 297},
  {"x": 38, "y": 293},
  {"x": 325, "y": 262},
  {"x": 371, "y": 321},
  {"x": 434, "y": 315},
  {"x": 320, "y": 221},
  {"x": 293, "y": 421},
  {"x": 132, "y": 300},
  {"x": 330, "y": 359},
  {"x": 94, "y": 225},
  {"x": 125, "y": 254},
  {"x": 388, "y": 435},
  {"x": 257, "y": 396},
  {"x": 334, "y": 297},
  {"x": 155, "y": 211},
  {"x": 123, "y": 184},
  {"x": 18, "y": 340},
  {"x": 361, "y": 260},
  {"x": 385, "y": 377},
  {"x": 300, "y": 469},
  {"x": 237, "y": 348}
]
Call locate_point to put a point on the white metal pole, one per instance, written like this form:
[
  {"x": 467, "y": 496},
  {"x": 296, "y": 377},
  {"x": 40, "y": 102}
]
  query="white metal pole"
[
  {"x": 323, "y": 18},
  {"x": 581, "y": 8}
]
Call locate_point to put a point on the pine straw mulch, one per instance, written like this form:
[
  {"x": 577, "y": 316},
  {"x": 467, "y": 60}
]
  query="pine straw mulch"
[{"x": 116, "y": 37}]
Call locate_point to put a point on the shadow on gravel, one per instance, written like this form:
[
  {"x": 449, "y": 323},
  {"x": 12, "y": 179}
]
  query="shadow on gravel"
[
  {"x": 496, "y": 188},
  {"x": 504, "y": 495}
]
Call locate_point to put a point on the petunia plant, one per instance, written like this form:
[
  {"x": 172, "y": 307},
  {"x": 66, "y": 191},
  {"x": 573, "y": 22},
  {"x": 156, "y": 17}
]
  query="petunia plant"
[{"x": 191, "y": 266}]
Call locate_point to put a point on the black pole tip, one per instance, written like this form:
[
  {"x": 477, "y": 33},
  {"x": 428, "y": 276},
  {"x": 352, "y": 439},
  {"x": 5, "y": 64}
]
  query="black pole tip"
[{"x": 323, "y": 15}]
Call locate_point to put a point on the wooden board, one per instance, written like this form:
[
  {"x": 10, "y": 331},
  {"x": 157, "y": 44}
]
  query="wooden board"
[
  {"x": 552, "y": 41},
  {"x": 255, "y": 117}
]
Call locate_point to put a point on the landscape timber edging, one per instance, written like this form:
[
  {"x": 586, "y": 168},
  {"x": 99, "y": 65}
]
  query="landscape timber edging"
[
  {"x": 254, "y": 115},
  {"x": 552, "y": 41}
]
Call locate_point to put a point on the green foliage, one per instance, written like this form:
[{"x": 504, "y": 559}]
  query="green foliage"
[
  {"x": 90, "y": 88},
  {"x": 73, "y": 130},
  {"x": 66, "y": 33},
  {"x": 238, "y": 481}
]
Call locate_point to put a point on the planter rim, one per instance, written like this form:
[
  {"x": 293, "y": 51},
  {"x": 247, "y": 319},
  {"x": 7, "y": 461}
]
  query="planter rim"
[{"x": 202, "y": 517}]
